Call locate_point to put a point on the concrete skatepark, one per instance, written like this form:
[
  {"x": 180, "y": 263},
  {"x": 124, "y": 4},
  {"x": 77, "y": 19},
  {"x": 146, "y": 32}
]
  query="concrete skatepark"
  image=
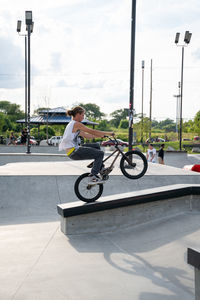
[{"x": 146, "y": 261}]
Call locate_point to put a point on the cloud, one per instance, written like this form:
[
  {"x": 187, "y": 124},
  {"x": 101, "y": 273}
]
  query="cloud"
[
  {"x": 196, "y": 54},
  {"x": 56, "y": 61},
  {"x": 93, "y": 85},
  {"x": 11, "y": 65},
  {"x": 65, "y": 84}
]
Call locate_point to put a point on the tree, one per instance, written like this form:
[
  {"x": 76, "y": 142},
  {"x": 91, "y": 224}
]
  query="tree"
[
  {"x": 197, "y": 123},
  {"x": 189, "y": 126},
  {"x": 92, "y": 111},
  {"x": 170, "y": 128},
  {"x": 103, "y": 125},
  {"x": 5, "y": 123},
  {"x": 12, "y": 110},
  {"x": 36, "y": 111},
  {"x": 124, "y": 124},
  {"x": 118, "y": 115}
]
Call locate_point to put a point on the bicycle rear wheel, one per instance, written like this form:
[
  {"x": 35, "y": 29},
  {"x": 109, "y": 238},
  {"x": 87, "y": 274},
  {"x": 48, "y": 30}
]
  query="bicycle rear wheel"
[
  {"x": 137, "y": 165},
  {"x": 84, "y": 191}
]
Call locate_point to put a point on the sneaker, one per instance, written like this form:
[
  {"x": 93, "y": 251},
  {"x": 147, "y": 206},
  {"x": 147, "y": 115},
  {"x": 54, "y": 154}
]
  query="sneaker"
[
  {"x": 106, "y": 171},
  {"x": 94, "y": 179}
]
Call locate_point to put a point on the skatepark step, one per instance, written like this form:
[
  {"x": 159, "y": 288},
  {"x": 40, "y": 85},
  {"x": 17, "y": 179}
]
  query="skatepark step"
[
  {"x": 133, "y": 208},
  {"x": 194, "y": 260}
]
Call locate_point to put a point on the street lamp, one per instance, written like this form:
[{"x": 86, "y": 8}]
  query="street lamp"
[
  {"x": 132, "y": 68},
  {"x": 19, "y": 24},
  {"x": 178, "y": 108},
  {"x": 187, "y": 39},
  {"x": 142, "y": 125},
  {"x": 29, "y": 29}
]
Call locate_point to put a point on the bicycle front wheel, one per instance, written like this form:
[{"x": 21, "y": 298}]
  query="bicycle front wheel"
[
  {"x": 133, "y": 164},
  {"x": 84, "y": 191}
]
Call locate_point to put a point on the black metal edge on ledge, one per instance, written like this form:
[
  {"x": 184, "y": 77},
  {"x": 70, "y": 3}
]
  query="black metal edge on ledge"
[
  {"x": 68, "y": 210},
  {"x": 193, "y": 258}
]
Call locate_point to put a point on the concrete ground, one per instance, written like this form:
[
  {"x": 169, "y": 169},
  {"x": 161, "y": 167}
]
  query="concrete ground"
[{"x": 144, "y": 262}]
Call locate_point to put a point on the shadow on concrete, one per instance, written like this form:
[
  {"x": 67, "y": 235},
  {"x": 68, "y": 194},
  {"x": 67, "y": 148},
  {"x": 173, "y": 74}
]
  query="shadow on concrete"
[
  {"x": 154, "y": 296},
  {"x": 128, "y": 251},
  {"x": 164, "y": 277}
]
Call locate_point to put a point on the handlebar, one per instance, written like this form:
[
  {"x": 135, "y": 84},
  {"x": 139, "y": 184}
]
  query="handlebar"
[{"x": 113, "y": 139}]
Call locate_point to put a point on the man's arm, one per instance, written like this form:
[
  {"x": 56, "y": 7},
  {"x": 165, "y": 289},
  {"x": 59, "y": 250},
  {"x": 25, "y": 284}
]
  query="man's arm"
[
  {"x": 93, "y": 132},
  {"x": 88, "y": 136}
]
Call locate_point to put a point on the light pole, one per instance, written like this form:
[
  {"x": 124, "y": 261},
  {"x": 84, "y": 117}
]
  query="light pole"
[
  {"x": 29, "y": 28},
  {"x": 178, "y": 109},
  {"x": 132, "y": 68},
  {"x": 142, "y": 125},
  {"x": 19, "y": 23},
  {"x": 187, "y": 39},
  {"x": 150, "y": 102}
]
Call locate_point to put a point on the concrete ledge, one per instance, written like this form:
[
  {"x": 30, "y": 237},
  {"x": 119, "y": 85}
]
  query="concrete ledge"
[
  {"x": 194, "y": 260},
  {"x": 127, "y": 209}
]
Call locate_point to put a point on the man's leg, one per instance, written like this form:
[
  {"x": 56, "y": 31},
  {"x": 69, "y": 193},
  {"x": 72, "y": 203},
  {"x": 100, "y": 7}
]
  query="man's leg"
[{"x": 83, "y": 153}]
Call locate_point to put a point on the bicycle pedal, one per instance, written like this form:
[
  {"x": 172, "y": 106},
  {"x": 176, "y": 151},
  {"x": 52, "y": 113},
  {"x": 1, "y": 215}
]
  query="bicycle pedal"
[
  {"x": 105, "y": 177},
  {"x": 90, "y": 165}
]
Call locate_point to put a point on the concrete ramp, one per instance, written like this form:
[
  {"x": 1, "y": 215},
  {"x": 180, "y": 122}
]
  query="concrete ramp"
[
  {"x": 34, "y": 189},
  {"x": 128, "y": 209}
]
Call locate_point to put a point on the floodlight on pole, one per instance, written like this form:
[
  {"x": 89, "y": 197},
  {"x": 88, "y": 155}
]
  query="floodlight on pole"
[
  {"x": 132, "y": 73},
  {"x": 177, "y": 37},
  {"x": 28, "y": 17},
  {"x": 19, "y": 24},
  {"x": 29, "y": 28},
  {"x": 32, "y": 25},
  {"x": 187, "y": 39},
  {"x": 142, "y": 116}
]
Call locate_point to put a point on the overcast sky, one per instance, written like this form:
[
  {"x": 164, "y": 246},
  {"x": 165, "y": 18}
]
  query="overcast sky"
[{"x": 80, "y": 52}]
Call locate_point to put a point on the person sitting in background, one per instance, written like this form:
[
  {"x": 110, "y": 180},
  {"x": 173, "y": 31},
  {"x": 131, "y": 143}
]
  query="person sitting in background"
[
  {"x": 24, "y": 136},
  {"x": 12, "y": 139}
]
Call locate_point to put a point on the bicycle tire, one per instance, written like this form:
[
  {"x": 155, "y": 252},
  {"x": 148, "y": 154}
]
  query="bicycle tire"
[
  {"x": 85, "y": 192},
  {"x": 139, "y": 167}
]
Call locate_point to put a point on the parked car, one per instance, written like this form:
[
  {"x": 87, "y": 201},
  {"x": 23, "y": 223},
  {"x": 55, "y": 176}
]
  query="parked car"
[
  {"x": 196, "y": 138},
  {"x": 110, "y": 143},
  {"x": 157, "y": 140},
  {"x": 160, "y": 140},
  {"x": 32, "y": 141},
  {"x": 150, "y": 140},
  {"x": 55, "y": 140}
]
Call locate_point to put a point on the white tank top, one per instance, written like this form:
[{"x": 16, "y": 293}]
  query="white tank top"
[{"x": 70, "y": 139}]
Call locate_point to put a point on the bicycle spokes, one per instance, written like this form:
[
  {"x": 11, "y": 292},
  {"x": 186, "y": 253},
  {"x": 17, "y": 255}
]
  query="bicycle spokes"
[
  {"x": 85, "y": 191},
  {"x": 133, "y": 164}
]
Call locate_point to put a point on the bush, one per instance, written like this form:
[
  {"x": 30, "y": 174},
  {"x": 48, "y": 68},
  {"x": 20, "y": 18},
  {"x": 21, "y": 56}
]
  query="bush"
[
  {"x": 124, "y": 124},
  {"x": 43, "y": 133},
  {"x": 103, "y": 125}
]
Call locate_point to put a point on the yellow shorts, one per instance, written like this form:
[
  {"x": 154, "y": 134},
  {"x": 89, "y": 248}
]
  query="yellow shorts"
[{"x": 70, "y": 151}]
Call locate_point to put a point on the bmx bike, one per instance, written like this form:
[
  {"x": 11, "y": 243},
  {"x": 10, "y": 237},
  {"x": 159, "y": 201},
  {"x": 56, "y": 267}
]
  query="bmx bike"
[{"x": 133, "y": 165}]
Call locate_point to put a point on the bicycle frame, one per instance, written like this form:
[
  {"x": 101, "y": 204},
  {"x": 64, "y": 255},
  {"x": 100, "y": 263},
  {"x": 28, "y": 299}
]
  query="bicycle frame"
[{"x": 119, "y": 152}]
